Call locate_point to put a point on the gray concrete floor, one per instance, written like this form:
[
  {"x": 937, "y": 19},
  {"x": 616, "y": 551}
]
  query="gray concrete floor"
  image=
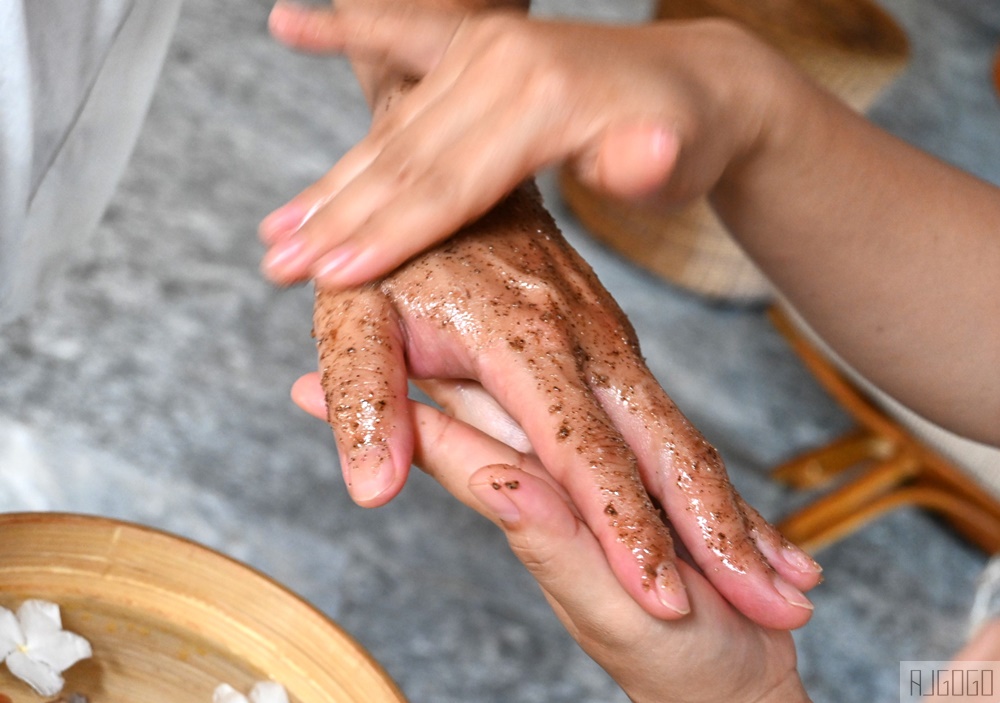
[{"x": 151, "y": 383}]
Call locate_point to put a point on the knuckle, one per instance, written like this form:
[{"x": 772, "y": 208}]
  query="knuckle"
[
  {"x": 546, "y": 83},
  {"x": 538, "y": 555},
  {"x": 495, "y": 31}
]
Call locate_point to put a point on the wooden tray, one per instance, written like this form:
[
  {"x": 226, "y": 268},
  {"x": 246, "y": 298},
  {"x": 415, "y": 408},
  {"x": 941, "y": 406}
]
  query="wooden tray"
[{"x": 169, "y": 619}]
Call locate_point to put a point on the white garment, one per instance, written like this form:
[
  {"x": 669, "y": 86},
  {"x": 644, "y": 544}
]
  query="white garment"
[
  {"x": 76, "y": 79},
  {"x": 980, "y": 462}
]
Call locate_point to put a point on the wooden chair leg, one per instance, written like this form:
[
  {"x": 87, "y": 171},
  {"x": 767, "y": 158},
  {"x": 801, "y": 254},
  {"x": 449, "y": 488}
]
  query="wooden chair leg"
[
  {"x": 819, "y": 467},
  {"x": 905, "y": 472},
  {"x": 834, "y": 511},
  {"x": 980, "y": 526}
]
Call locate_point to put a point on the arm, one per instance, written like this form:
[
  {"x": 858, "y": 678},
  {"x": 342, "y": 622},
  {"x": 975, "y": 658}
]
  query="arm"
[{"x": 889, "y": 253}]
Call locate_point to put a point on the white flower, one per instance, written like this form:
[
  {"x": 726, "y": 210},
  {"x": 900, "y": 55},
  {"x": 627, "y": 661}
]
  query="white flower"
[
  {"x": 36, "y": 648},
  {"x": 262, "y": 692}
]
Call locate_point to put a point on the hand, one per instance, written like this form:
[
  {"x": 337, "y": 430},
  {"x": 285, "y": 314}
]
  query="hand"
[
  {"x": 500, "y": 97},
  {"x": 509, "y": 304},
  {"x": 713, "y": 654}
]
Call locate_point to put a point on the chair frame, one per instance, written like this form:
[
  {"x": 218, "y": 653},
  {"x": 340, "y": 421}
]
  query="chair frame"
[{"x": 877, "y": 468}]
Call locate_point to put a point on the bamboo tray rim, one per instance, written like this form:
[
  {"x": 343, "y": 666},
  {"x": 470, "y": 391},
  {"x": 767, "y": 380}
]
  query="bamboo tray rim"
[{"x": 121, "y": 565}]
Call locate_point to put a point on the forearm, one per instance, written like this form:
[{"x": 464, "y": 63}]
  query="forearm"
[{"x": 891, "y": 255}]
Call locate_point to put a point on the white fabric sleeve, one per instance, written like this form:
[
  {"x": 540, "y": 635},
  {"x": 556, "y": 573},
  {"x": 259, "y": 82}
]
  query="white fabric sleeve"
[{"x": 75, "y": 84}]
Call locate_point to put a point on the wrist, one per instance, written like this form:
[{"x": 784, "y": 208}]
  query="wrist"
[
  {"x": 759, "y": 100},
  {"x": 726, "y": 81}
]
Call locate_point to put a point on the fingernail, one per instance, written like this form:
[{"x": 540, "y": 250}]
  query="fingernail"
[
  {"x": 282, "y": 222},
  {"x": 670, "y": 590},
  {"x": 329, "y": 266},
  {"x": 791, "y": 594},
  {"x": 278, "y": 257},
  {"x": 796, "y": 558},
  {"x": 495, "y": 495},
  {"x": 369, "y": 472}
]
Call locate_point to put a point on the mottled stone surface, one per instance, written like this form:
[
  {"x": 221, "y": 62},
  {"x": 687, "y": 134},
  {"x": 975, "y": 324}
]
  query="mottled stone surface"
[{"x": 152, "y": 384}]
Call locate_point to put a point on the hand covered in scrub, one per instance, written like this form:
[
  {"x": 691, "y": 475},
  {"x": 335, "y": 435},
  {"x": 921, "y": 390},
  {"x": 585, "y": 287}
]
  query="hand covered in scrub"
[
  {"x": 499, "y": 99},
  {"x": 713, "y": 654},
  {"x": 509, "y": 304}
]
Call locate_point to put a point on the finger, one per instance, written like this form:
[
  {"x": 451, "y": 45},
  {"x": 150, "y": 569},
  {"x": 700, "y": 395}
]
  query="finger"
[
  {"x": 687, "y": 476},
  {"x": 580, "y": 447},
  {"x": 631, "y": 160},
  {"x": 286, "y": 220},
  {"x": 570, "y": 565},
  {"x": 453, "y": 164},
  {"x": 469, "y": 402},
  {"x": 401, "y": 224},
  {"x": 364, "y": 374},
  {"x": 307, "y": 393},
  {"x": 380, "y": 167},
  {"x": 544, "y": 530},
  {"x": 788, "y": 559},
  {"x": 450, "y": 451},
  {"x": 406, "y": 38},
  {"x": 558, "y": 549}
]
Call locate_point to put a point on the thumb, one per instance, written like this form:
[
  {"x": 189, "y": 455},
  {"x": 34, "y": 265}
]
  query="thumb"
[
  {"x": 631, "y": 160},
  {"x": 557, "y": 548}
]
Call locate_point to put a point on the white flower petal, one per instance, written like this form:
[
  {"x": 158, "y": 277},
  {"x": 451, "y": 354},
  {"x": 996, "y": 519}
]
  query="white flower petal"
[
  {"x": 224, "y": 693},
  {"x": 60, "y": 650},
  {"x": 43, "y": 678},
  {"x": 268, "y": 692},
  {"x": 11, "y": 636},
  {"x": 38, "y": 618}
]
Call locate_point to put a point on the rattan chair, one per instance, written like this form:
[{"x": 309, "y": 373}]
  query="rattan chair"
[{"x": 893, "y": 459}]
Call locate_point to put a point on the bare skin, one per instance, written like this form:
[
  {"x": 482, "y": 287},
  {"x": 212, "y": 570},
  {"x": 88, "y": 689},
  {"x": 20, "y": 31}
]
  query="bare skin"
[
  {"x": 420, "y": 318},
  {"x": 509, "y": 304},
  {"x": 471, "y": 452},
  {"x": 891, "y": 255}
]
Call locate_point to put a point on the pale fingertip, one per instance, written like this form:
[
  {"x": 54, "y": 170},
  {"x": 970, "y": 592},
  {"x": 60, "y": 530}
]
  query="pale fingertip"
[
  {"x": 370, "y": 473},
  {"x": 281, "y": 223},
  {"x": 282, "y": 17},
  {"x": 635, "y": 161},
  {"x": 787, "y": 558},
  {"x": 799, "y": 560},
  {"x": 670, "y": 590},
  {"x": 307, "y": 394},
  {"x": 286, "y": 261},
  {"x": 330, "y": 269},
  {"x": 791, "y": 594}
]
